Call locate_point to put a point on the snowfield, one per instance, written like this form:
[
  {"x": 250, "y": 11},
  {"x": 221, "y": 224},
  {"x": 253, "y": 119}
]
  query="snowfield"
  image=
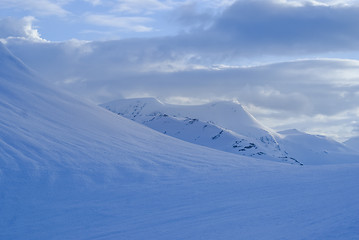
[{"x": 72, "y": 170}]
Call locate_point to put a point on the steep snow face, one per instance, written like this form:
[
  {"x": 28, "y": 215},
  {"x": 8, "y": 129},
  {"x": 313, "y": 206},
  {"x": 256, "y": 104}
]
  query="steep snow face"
[
  {"x": 70, "y": 170},
  {"x": 225, "y": 126}
]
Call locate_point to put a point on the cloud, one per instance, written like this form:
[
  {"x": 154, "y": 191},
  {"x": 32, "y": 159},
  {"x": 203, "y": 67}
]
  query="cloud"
[
  {"x": 296, "y": 87},
  {"x": 252, "y": 28},
  {"x": 267, "y": 27},
  {"x": 38, "y": 7},
  {"x": 123, "y": 23},
  {"x": 191, "y": 15},
  {"x": 246, "y": 30},
  {"x": 94, "y": 2},
  {"x": 141, "y": 6},
  {"x": 11, "y": 28}
]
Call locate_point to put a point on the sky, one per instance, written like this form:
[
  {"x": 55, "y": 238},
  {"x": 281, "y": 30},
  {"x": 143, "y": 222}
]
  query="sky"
[{"x": 291, "y": 63}]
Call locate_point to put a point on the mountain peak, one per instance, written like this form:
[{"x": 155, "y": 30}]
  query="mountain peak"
[
  {"x": 292, "y": 131},
  {"x": 223, "y": 125},
  {"x": 226, "y": 114}
]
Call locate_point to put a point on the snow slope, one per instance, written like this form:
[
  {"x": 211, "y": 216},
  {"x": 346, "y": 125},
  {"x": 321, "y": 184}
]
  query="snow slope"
[{"x": 70, "y": 170}]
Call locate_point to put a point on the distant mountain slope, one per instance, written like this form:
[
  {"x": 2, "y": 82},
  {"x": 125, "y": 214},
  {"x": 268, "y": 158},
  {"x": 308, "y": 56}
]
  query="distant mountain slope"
[
  {"x": 224, "y": 126},
  {"x": 229, "y": 115},
  {"x": 316, "y": 148},
  {"x": 227, "y": 126},
  {"x": 71, "y": 170},
  {"x": 353, "y": 143}
]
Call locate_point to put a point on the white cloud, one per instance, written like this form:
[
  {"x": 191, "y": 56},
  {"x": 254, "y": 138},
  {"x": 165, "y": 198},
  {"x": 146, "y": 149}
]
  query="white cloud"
[
  {"x": 125, "y": 23},
  {"x": 11, "y": 28},
  {"x": 39, "y": 7},
  {"x": 94, "y": 2},
  {"x": 141, "y": 6},
  {"x": 299, "y": 3},
  {"x": 215, "y": 3}
]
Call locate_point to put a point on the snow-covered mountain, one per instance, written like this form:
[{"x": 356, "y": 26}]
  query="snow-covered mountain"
[
  {"x": 71, "y": 170},
  {"x": 229, "y": 115},
  {"x": 317, "y": 149},
  {"x": 353, "y": 143},
  {"x": 227, "y": 126}
]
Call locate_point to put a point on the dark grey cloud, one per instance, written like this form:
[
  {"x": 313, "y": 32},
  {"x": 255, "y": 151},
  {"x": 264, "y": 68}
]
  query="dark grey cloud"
[
  {"x": 246, "y": 30},
  {"x": 252, "y": 28},
  {"x": 191, "y": 16}
]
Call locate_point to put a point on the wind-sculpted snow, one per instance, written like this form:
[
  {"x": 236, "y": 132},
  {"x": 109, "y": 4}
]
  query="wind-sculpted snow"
[{"x": 71, "y": 170}]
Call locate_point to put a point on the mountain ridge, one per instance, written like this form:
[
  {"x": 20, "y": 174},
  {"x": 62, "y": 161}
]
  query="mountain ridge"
[
  {"x": 206, "y": 125},
  {"x": 227, "y": 126}
]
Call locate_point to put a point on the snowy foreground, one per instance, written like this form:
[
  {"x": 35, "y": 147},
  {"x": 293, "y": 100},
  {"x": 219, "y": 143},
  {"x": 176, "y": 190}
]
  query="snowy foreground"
[{"x": 71, "y": 170}]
